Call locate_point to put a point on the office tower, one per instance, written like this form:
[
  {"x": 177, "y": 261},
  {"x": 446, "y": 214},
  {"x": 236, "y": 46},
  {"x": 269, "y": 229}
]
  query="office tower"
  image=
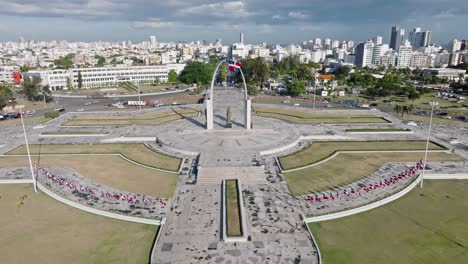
[
  {"x": 396, "y": 37},
  {"x": 364, "y": 53},
  {"x": 404, "y": 54},
  {"x": 377, "y": 40},
  {"x": 379, "y": 51},
  {"x": 454, "y": 45},
  {"x": 318, "y": 41},
  {"x": 335, "y": 44},
  {"x": 419, "y": 38},
  {"x": 153, "y": 42},
  {"x": 241, "y": 38}
]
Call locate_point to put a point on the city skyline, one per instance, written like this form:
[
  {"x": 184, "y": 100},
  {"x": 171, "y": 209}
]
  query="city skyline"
[{"x": 277, "y": 22}]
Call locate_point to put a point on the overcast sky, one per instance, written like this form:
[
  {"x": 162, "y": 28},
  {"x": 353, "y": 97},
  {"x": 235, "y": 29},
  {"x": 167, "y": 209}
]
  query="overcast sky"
[{"x": 273, "y": 21}]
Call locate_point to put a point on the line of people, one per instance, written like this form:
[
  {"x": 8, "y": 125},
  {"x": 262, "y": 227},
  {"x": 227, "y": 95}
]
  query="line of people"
[
  {"x": 332, "y": 195},
  {"x": 85, "y": 189}
]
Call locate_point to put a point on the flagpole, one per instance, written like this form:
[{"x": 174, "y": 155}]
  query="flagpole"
[
  {"x": 433, "y": 104},
  {"x": 27, "y": 147}
]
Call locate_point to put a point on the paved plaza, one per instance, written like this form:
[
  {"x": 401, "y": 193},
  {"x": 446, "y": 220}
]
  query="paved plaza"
[{"x": 193, "y": 224}]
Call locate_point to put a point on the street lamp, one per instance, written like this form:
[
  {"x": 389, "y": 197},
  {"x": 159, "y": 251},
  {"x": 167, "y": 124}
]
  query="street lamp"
[
  {"x": 27, "y": 146},
  {"x": 433, "y": 104}
]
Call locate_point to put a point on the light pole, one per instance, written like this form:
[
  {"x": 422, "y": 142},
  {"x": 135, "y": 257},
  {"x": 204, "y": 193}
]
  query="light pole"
[
  {"x": 27, "y": 145},
  {"x": 433, "y": 104}
]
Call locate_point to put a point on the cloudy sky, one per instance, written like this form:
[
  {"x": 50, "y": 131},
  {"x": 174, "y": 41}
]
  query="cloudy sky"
[{"x": 273, "y": 21}]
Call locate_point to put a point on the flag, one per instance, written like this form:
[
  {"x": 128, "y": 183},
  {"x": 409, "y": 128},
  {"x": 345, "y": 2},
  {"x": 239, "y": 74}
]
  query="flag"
[
  {"x": 232, "y": 65},
  {"x": 238, "y": 65}
]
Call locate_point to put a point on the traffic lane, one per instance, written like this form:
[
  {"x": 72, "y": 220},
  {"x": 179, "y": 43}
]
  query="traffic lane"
[{"x": 91, "y": 104}]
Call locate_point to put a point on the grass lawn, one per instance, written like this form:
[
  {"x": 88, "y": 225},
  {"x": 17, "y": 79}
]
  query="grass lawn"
[
  {"x": 134, "y": 151},
  {"x": 320, "y": 150},
  {"x": 144, "y": 119},
  {"x": 378, "y": 130},
  {"x": 312, "y": 118},
  {"x": 347, "y": 168},
  {"x": 43, "y": 230},
  {"x": 435, "y": 119},
  {"x": 76, "y": 133},
  {"x": 27, "y": 121},
  {"x": 427, "y": 226},
  {"x": 233, "y": 228},
  {"x": 112, "y": 171}
]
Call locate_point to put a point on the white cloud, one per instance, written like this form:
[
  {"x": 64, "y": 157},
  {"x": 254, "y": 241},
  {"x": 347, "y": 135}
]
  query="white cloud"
[
  {"x": 153, "y": 23},
  {"x": 297, "y": 15},
  {"x": 220, "y": 9}
]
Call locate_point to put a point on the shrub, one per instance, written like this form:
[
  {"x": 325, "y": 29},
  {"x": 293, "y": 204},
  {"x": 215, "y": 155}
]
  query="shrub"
[{"x": 51, "y": 115}]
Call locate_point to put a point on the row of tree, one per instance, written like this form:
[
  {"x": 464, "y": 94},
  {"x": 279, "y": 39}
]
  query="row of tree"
[{"x": 403, "y": 109}]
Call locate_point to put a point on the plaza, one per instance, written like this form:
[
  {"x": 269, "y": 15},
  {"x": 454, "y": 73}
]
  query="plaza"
[{"x": 173, "y": 160}]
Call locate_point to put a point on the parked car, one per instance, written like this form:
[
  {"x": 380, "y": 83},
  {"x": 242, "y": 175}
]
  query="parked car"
[
  {"x": 60, "y": 109},
  {"x": 11, "y": 116},
  {"x": 2, "y": 118},
  {"x": 30, "y": 113}
]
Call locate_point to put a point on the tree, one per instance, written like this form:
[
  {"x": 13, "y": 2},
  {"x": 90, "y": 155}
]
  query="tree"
[
  {"x": 80, "y": 80},
  {"x": 69, "y": 83},
  {"x": 101, "y": 60},
  {"x": 252, "y": 89},
  {"x": 413, "y": 95},
  {"x": 404, "y": 110},
  {"x": 24, "y": 68},
  {"x": 295, "y": 88},
  {"x": 172, "y": 76},
  {"x": 31, "y": 87},
  {"x": 65, "y": 62},
  {"x": 156, "y": 81},
  {"x": 223, "y": 73},
  {"x": 5, "y": 95},
  {"x": 397, "y": 109},
  {"x": 255, "y": 70},
  {"x": 196, "y": 72}
]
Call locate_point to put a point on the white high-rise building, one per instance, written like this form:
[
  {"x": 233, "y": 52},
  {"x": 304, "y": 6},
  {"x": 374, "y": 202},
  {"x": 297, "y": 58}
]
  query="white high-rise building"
[
  {"x": 318, "y": 41},
  {"x": 377, "y": 40},
  {"x": 364, "y": 53},
  {"x": 404, "y": 54},
  {"x": 153, "y": 42},
  {"x": 241, "y": 38},
  {"x": 379, "y": 51},
  {"x": 454, "y": 45},
  {"x": 335, "y": 44}
]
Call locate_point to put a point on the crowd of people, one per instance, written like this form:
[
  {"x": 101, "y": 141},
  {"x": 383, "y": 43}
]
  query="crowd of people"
[
  {"x": 387, "y": 182},
  {"x": 131, "y": 199}
]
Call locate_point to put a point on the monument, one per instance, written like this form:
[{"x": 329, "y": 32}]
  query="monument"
[{"x": 209, "y": 103}]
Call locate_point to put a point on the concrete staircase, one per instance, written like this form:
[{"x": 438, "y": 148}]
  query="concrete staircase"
[{"x": 248, "y": 175}]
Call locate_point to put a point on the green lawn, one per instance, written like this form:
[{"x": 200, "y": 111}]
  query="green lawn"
[
  {"x": 144, "y": 119},
  {"x": 233, "y": 228},
  {"x": 314, "y": 118},
  {"x": 134, "y": 151},
  {"x": 44, "y": 230},
  {"x": 427, "y": 226},
  {"x": 347, "y": 168},
  {"x": 320, "y": 150},
  {"x": 109, "y": 170},
  {"x": 378, "y": 130},
  {"x": 27, "y": 121}
]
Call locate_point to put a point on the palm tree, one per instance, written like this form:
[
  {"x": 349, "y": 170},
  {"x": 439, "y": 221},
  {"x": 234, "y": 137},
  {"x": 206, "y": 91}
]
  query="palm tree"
[
  {"x": 404, "y": 109},
  {"x": 410, "y": 108},
  {"x": 397, "y": 109}
]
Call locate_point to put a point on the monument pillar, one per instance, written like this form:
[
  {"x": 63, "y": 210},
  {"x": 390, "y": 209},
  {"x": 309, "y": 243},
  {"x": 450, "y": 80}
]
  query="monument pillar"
[
  {"x": 209, "y": 114},
  {"x": 248, "y": 114}
]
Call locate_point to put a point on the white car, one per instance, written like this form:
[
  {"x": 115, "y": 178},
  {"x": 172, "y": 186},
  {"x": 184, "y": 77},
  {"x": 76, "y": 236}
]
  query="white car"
[
  {"x": 80, "y": 110},
  {"x": 412, "y": 124},
  {"x": 296, "y": 104}
]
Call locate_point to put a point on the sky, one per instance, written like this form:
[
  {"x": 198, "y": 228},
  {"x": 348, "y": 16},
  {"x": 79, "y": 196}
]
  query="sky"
[{"x": 271, "y": 21}]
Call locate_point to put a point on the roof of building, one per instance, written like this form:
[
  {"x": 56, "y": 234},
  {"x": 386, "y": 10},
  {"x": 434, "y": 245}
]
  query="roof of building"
[{"x": 326, "y": 77}]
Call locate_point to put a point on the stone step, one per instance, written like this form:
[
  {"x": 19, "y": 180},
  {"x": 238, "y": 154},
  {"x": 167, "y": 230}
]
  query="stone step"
[{"x": 248, "y": 175}]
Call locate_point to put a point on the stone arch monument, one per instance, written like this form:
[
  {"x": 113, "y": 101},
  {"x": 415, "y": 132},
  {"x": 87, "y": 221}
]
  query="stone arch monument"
[{"x": 209, "y": 102}]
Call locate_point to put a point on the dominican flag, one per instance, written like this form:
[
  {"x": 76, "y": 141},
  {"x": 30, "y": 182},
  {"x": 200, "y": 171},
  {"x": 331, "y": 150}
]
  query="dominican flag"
[{"x": 234, "y": 65}]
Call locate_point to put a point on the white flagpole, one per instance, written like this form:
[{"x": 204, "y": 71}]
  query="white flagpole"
[
  {"x": 427, "y": 142},
  {"x": 27, "y": 147}
]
